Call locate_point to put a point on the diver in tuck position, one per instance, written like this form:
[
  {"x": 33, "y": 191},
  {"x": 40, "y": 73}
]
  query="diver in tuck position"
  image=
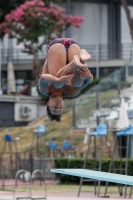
[{"x": 65, "y": 74}]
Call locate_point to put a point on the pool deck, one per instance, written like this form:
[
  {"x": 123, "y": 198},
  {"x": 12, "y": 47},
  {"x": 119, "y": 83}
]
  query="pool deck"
[{"x": 52, "y": 196}]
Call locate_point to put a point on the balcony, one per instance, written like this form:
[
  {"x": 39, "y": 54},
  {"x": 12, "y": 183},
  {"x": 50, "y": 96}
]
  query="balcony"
[
  {"x": 17, "y": 56},
  {"x": 101, "y": 52},
  {"x": 19, "y": 87}
]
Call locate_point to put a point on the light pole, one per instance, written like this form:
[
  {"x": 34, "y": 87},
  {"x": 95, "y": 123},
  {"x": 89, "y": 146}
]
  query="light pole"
[
  {"x": 98, "y": 41},
  {"x": 97, "y": 113},
  {"x": 0, "y": 68},
  {"x": 119, "y": 82}
]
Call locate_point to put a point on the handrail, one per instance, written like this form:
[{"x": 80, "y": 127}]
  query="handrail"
[{"x": 106, "y": 52}]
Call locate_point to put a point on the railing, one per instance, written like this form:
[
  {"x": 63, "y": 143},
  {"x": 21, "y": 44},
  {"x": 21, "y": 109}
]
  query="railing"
[
  {"x": 11, "y": 163},
  {"x": 108, "y": 52},
  {"x": 101, "y": 100},
  {"x": 105, "y": 52},
  {"x": 17, "y": 56},
  {"x": 19, "y": 87}
]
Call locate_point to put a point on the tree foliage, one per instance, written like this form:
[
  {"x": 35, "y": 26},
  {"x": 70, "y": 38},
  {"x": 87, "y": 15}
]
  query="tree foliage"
[
  {"x": 33, "y": 19},
  {"x": 129, "y": 17},
  {"x": 6, "y": 6}
]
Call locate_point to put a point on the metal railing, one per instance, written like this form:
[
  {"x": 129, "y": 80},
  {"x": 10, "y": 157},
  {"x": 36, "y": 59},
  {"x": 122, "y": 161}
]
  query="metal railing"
[
  {"x": 19, "y": 87},
  {"x": 109, "y": 52},
  {"x": 105, "y": 52},
  {"x": 101, "y": 101},
  {"x": 11, "y": 163},
  {"x": 17, "y": 56}
]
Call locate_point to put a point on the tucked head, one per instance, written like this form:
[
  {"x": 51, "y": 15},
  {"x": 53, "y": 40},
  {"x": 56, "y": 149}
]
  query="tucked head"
[{"x": 55, "y": 108}]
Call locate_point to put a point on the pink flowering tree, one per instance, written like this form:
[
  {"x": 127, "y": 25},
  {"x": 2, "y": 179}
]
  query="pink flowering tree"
[{"x": 33, "y": 19}]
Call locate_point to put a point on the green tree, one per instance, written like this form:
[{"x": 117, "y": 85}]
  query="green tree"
[
  {"x": 6, "y": 6},
  {"x": 33, "y": 19}
]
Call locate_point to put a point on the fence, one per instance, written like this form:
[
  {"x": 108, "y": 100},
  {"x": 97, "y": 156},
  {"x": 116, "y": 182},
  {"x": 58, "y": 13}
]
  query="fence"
[
  {"x": 105, "y": 52},
  {"x": 17, "y": 56},
  {"x": 101, "y": 101},
  {"x": 11, "y": 163},
  {"x": 19, "y": 87}
]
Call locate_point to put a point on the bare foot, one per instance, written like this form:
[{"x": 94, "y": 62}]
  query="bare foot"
[
  {"x": 77, "y": 63},
  {"x": 84, "y": 56}
]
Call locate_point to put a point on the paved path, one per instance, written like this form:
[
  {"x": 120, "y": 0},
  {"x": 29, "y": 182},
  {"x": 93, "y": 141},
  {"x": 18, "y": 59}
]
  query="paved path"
[{"x": 52, "y": 196}]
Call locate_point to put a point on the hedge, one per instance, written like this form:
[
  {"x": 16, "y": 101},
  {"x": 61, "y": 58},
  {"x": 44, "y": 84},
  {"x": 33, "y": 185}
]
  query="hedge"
[{"x": 78, "y": 163}]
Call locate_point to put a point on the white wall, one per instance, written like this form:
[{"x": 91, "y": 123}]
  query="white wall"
[{"x": 94, "y": 15}]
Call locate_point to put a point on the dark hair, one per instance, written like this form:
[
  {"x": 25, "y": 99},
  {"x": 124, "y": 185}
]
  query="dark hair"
[{"x": 53, "y": 117}]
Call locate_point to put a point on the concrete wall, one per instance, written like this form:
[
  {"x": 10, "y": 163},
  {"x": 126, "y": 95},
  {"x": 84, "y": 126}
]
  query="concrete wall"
[{"x": 19, "y": 111}]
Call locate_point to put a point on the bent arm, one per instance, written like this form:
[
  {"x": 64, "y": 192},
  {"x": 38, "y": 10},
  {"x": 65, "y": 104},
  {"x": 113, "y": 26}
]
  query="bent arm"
[
  {"x": 79, "y": 81},
  {"x": 85, "y": 76},
  {"x": 46, "y": 79},
  {"x": 44, "y": 82},
  {"x": 86, "y": 82},
  {"x": 43, "y": 87}
]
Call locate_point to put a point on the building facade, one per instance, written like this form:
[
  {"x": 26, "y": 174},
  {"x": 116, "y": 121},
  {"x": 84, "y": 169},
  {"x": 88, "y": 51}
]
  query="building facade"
[{"x": 104, "y": 34}]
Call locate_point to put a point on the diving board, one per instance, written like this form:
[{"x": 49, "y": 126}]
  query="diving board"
[{"x": 97, "y": 175}]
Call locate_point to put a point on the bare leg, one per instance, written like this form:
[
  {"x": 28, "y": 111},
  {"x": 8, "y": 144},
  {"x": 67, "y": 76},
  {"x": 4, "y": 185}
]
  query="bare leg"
[
  {"x": 57, "y": 62},
  {"x": 74, "y": 61},
  {"x": 77, "y": 59},
  {"x": 56, "y": 58},
  {"x": 77, "y": 81},
  {"x": 71, "y": 67}
]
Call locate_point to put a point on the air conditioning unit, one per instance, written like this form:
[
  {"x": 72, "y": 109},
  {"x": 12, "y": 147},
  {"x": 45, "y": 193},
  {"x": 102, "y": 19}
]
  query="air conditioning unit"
[{"x": 25, "y": 111}]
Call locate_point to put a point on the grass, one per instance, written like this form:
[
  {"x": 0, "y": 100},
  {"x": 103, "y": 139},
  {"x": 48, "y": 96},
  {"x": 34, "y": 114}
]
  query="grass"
[
  {"x": 57, "y": 131},
  {"x": 54, "y": 131}
]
